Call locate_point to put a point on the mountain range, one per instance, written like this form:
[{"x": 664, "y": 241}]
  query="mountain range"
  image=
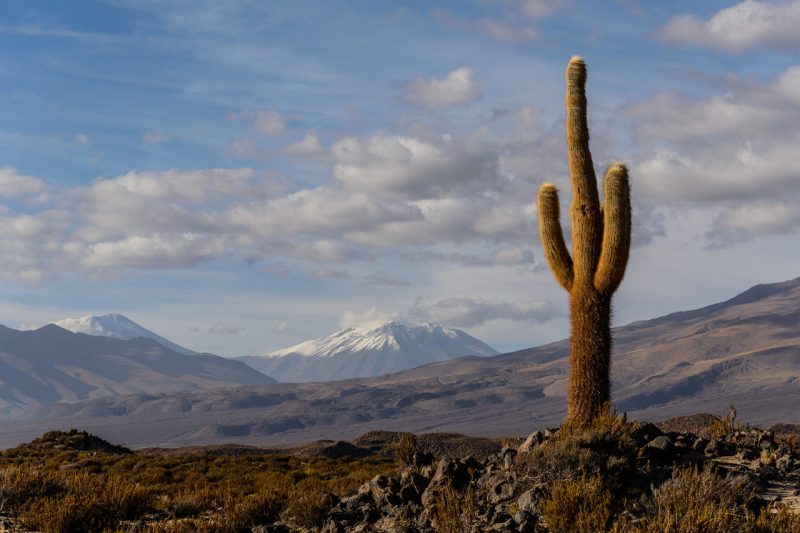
[
  {"x": 367, "y": 351},
  {"x": 51, "y": 364},
  {"x": 745, "y": 350}
]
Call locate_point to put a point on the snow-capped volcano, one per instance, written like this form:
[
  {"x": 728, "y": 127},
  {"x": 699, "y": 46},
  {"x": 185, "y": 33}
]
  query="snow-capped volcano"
[
  {"x": 116, "y": 326},
  {"x": 366, "y": 351}
]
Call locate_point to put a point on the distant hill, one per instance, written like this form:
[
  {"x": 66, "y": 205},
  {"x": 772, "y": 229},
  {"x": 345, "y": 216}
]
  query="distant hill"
[
  {"x": 116, "y": 326},
  {"x": 51, "y": 364},
  {"x": 367, "y": 351},
  {"x": 745, "y": 350}
]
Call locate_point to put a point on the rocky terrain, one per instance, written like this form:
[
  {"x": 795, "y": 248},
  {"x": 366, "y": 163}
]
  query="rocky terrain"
[
  {"x": 512, "y": 490},
  {"x": 695, "y": 473}
]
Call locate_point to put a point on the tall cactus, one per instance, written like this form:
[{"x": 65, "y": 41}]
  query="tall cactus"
[{"x": 601, "y": 236}]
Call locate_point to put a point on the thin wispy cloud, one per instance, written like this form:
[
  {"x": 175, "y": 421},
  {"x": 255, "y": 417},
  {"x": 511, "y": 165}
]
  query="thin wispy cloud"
[
  {"x": 155, "y": 137},
  {"x": 469, "y": 312},
  {"x": 496, "y": 29},
  {"x": 308, "y": 146}
]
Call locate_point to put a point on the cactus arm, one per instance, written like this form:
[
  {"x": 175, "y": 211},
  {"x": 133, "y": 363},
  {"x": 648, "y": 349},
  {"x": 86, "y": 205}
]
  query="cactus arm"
[
  {"x": 552, "y": 236},
  {"x": 616, "y": 230},
  {"x": 585, "y": 203}
]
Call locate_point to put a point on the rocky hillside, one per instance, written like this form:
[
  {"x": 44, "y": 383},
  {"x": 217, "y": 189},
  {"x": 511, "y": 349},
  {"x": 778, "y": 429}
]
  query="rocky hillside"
[{"x": 51, "y": 364}]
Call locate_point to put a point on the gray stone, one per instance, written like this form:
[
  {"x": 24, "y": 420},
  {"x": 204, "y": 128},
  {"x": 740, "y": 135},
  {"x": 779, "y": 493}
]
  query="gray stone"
[
  {"x": 747, "y": 454},
  {"x": 417, "y": 481},
  {"x": 501, "y": 492},
  {"x": 646, "y": 432},
  {"x": 522, "y": 516},
  {"x": 533, "y": 440},
  {"x": 662, "y": 443},
  {"x": 527, "y": 501},
  {"x": 712, "y": 448}
]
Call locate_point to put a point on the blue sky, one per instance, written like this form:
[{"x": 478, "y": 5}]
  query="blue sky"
[{"x": 242, "y": 175}]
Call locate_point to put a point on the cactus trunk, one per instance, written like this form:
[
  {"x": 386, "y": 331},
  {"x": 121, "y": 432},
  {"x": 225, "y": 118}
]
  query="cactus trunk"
[
  {"x": 601, "y": 237},
  {"x": 588, "y": 389}
]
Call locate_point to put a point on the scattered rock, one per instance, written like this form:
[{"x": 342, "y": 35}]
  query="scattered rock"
[
  {"x": 712, "y": 448},
  {"x": 533, "y": 440},
  {"x": 662, "y": 443},
  {"x": 646, "y": 433}
]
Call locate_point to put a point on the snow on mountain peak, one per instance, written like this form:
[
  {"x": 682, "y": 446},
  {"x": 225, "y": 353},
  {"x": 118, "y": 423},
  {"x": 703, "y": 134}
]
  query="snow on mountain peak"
[
  {"x": 108, "y": 325},
  {"x": 117, "y": 326},
  {"x": 368, "y": 350},
  {"x": 439, "y": 341}
]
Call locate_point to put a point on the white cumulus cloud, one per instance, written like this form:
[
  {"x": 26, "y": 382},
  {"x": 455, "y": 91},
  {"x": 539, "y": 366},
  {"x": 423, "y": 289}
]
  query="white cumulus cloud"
[
  {"x": 371, "y": 316},
  {"x": 413, "y": 167},
  {"x": 13, "y": 184},
  {"x": 743, "y": 26},
  {"x": 457, "y": 87}
]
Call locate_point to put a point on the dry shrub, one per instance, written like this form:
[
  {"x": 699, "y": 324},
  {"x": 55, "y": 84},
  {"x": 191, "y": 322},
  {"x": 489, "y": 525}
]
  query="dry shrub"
[
  {"x": 694, "y": 501},
  {"x": 309, "y": 503},
  {"x": 603, "y": 448},
  {"x": 89, "y": 503},
  {"x": 726, "y": 424},
  {"x": 580, "y": 506},
  {"x": 777, "y": 520},
  {"x": 193, "y": 490},
  {"x": 454, "y": 511},
  {"x": 241, "y": 514},
  {"x": 186, "y": 505},
  {"x": 511, "y": 442},
  {"x": 790, "y": 442},
  {"x": 20, "y": 484},
  {"x": 405, "y": 447}
]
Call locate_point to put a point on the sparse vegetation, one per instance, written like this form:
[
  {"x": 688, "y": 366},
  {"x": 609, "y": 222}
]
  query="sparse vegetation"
[
  {"x": 454, "y": 511},
  {"x": 697, "y": 500},
  {"x": 578, "y": 505},
  {"x": 405, "y": 448},
  {"x": 603, "y": 448},
  {"x": 60, "y": 484},
  {"x": 610, "y": 475},
  {"x": 727, "y": 423}
]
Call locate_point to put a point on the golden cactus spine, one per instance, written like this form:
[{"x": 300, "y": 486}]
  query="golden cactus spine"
[{"x": 601, "y": 236}]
